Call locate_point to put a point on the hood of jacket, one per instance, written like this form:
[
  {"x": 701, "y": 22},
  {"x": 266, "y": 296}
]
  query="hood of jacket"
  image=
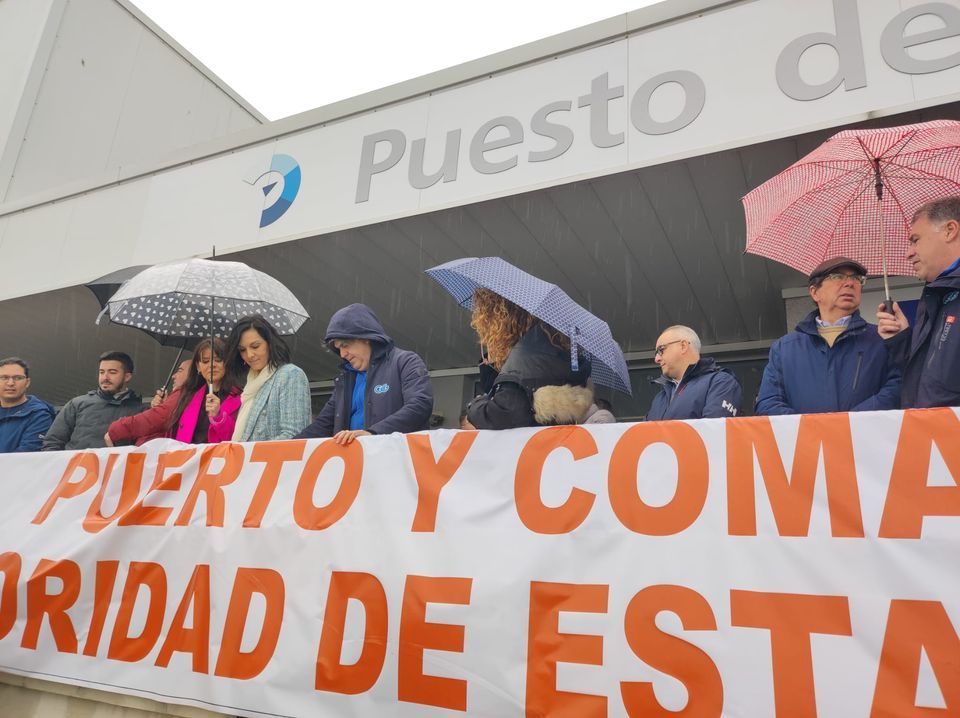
[
  {"x": 121, "y": 398},
  {"x": 566, "y": 404},
  {"x": 356, "y": 321}
]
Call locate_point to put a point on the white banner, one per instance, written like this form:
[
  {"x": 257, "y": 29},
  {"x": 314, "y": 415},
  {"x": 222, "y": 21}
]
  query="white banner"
[{"x": 795, "y": 566}]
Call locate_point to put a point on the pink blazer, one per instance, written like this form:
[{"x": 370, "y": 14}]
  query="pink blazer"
[{"x": 221, "y": 426}]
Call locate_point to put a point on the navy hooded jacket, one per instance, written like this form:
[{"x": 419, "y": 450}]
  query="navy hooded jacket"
[
  {"x": 929, "y": 351},
  {"x": 706, "y": 391},
  {"x": 806, "y": 376},
  {"x": 398, "y": 395},
  {"x": 22, "y": 427}
]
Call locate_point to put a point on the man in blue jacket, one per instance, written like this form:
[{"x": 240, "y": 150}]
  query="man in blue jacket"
[
  {"x": 380, "y": 390},
  {"x": 23, "y": 419},
  {"x": 691, "y": 386},
  {"x": 929, "y": 351},
  {"x": 834, "y": 361}
]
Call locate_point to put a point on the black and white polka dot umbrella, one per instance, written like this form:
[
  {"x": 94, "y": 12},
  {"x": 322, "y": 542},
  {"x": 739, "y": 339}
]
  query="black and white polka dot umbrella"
[{"x": 200, "y": 297}]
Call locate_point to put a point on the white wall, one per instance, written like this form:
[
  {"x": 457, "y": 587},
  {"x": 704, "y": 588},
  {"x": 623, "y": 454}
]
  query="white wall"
[
  {"x": 113, "y": 93},
  {"x": 22, "y": 23}
]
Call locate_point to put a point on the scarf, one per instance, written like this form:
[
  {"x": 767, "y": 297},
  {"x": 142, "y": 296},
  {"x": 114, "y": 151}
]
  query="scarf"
[{"x": 255, "y": 382}]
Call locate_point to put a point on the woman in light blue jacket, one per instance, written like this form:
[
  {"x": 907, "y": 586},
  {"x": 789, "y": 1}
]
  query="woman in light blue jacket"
[{"x": 275, "y": 403}]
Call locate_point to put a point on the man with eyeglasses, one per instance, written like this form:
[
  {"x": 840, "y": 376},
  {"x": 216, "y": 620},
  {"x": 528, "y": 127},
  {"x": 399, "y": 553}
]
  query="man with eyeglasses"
[
  {"x": 929, "y": 351},
  {"x": 24, "y": 419},
  {"x": 691, "y": 386},
  {"x": 834, "y": 360}
]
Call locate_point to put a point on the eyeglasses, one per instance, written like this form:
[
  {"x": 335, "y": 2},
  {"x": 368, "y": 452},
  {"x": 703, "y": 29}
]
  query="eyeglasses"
[
  {"x": 663, "y": 347},
  {"x": 16, "y": 379},
  {"x": 841, "y": 277}
]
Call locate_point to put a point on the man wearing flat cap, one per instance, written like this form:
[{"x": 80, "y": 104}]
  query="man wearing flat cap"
[{"x": 834, "y": 360}]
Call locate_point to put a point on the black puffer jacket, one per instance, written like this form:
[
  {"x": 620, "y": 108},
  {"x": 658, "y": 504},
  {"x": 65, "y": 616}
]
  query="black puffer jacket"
[
  {"x": 535, "y": 386},
  {"x": 84, "y": 420}
]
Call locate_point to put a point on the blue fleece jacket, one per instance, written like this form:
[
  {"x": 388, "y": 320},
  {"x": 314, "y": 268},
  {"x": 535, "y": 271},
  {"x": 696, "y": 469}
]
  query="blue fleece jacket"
[
  {"x": 804, "y": 375},
  {"x": 22, "y": 427}
]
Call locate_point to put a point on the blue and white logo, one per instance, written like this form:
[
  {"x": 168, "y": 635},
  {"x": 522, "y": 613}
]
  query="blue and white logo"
[
  {"x": 950, "y": 297},
  {"x": 381, "y": 388},
  {"x": 280, "y": 185}
]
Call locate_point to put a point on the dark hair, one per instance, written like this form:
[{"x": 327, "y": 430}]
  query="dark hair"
[
  {"x": 17, "y": 360},
  {"x": 940, "y": 210},
  {"x": 121, "y": 357},
  {"x": 194, "y": 380},
  {"x": 278, "y": 351}
]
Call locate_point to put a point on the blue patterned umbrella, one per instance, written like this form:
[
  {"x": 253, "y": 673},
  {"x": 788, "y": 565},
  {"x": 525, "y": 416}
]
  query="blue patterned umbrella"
[{"x": 546, "y": 302}]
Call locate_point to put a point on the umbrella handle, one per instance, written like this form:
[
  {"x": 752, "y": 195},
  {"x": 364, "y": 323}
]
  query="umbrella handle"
[
  {"x": 176, "y": 363},
  {"x": 887, "y": 305},
  {"x": 213, "y": 255}
]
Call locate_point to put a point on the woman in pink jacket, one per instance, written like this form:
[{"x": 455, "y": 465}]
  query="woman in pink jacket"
[{"x": 192, "y": 414}]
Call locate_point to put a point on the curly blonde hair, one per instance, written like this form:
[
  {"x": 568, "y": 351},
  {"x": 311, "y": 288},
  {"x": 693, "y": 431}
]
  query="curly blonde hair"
[{"x": 500, "y": 323}]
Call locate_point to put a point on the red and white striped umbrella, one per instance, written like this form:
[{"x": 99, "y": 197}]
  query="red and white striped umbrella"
[{"x": 854, "y": 196}]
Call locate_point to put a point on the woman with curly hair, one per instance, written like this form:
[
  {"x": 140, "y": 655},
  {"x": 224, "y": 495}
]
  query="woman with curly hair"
[{"x": 534, "y": 383}]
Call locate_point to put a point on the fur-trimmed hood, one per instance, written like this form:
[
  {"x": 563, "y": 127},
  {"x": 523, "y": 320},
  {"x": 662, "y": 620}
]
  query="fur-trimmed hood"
[{"x": 567, "y": 404}]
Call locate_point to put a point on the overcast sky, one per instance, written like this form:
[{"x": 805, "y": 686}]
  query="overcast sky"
[{"x": 288, "y": 56}]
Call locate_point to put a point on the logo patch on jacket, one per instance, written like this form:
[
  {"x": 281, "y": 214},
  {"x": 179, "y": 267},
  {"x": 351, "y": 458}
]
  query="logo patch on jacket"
[
  {"x": 947, "y": 326},
  {"x": 381, "y": 388},
  {"x": 950, "y": 297},
  {"x": 729, "y": 407}
]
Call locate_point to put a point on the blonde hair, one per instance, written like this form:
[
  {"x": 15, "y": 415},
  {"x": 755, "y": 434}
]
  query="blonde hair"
[{"x": 500, "y": 323}]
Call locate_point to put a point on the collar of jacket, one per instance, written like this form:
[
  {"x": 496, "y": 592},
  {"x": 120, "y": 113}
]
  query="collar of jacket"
[
  {"x": 808, "y": 325},
  {"x": 120, "y": 398},
  {"x": 948, "y": 281},
  {"x": 31, "y": 405},
  {"x": 705, "y": 365}
]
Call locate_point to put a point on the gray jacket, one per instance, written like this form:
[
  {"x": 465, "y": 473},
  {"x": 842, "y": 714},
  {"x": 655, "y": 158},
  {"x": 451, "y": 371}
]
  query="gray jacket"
[{"x": 83, "y": 420}]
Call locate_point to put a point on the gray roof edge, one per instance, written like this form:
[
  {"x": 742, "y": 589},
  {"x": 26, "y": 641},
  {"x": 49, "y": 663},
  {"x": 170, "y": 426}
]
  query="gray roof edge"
[
  {"x": 594, "y": 34},
  {"x": 190, "y": 58}
]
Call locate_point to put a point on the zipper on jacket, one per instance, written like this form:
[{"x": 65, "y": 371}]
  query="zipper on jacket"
[{"x": 856, "y": 374}]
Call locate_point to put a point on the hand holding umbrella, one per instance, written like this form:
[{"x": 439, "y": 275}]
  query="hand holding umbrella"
[
  {"x": 851, "y": 195},
  {"x": 199, "y": 298}
]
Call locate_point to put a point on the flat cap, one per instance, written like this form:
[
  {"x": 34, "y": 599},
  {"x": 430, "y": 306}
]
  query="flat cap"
[{"x": 830, "y": 265}]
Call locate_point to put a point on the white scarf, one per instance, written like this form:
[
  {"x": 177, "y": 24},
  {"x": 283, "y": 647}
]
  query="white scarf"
[{"x": 255, "y": 382}]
